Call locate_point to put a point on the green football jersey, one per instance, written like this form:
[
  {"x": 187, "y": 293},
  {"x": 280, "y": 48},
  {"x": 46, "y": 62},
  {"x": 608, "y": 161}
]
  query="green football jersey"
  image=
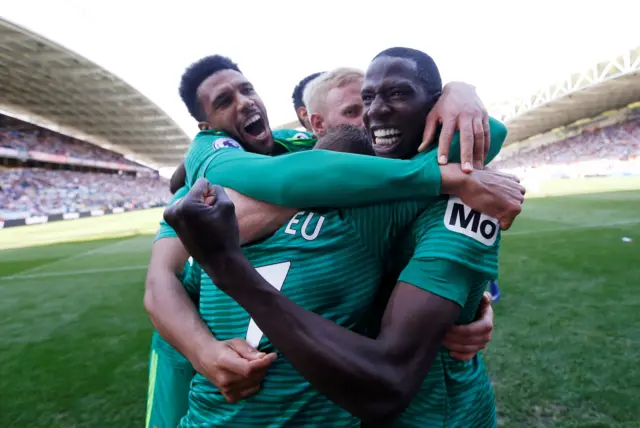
[
  {"x": 170, "y": 373},
  {"x": 192, "y": 269},
  {"x": 310, "y": 259},
  {"x": 189, "y": 278},
  {"x": 462, "y": 245},
  {"x": 290, "y": 140},
  {"x": 165, "y": 230},
  {"x": 207, "y": 142}
]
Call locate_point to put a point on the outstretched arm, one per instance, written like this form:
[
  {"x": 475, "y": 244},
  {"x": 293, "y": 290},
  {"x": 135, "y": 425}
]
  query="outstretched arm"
[{"x": 320, "y": 178}]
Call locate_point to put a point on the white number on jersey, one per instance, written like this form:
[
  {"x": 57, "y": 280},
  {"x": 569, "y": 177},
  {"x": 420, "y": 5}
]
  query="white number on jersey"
[{"x": 274, "y": 275}]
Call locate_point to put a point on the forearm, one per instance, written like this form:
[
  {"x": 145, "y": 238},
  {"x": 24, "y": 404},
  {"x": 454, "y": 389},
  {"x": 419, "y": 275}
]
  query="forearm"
[
  {"x": 169, "y": 306},
  {"x": 352, "y": 370},
  {"x": 175, "y": 316},
  {"x": 321, "y": 178}
]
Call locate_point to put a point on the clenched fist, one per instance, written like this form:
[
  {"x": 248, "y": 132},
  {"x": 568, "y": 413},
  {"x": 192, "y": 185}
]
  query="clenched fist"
[{"x": 205, "y": 221}]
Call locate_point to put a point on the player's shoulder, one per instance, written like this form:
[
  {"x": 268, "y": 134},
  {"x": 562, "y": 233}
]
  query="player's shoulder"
[
  {"x": 213, "y": 139},
  {"x": 293, "y": 140},
  {"x": 204, "y": 147},
  {"x": 451, "y": 230}
]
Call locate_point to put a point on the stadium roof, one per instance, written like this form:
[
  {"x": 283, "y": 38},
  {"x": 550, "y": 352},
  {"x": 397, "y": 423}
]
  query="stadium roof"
[
  {"x": 46, "y": 84},
  {"x": 604, "y": 86}
]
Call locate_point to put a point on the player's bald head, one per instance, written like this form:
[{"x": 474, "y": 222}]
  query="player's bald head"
[{"x": 346, "y": 139}]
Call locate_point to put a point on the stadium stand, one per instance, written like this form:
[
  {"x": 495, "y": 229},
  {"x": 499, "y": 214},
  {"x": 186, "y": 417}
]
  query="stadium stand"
[
  {"x": 67, "y": 124},
  {"x": 21, "y": 136},
  {"x": 46, "y": 174},
  {"x": 619, "y": 142}
]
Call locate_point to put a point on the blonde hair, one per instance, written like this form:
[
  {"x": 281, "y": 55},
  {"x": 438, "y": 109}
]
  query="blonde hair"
[{"x": 315, "y": 94}]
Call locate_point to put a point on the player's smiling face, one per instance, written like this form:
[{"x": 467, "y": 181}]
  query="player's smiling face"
[
  {"x": 232, "y": 105},
  {"x": 395, "y": 107}
]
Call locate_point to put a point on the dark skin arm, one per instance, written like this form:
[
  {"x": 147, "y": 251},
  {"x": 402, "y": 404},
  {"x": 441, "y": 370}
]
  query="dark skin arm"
[{"x": 374, "y": 379}]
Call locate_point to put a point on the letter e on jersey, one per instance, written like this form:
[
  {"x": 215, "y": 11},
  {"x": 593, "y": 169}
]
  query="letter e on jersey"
[{"x": 460, "y": 218}]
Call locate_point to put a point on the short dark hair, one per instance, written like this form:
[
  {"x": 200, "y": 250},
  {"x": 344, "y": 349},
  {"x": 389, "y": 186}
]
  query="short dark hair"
[
  {"x": 347, "y": 139},
  {"x": 299, "y": 90},
  {"x": 428, "y": 72},
  {"x": 178, "y": 179},
  {"x": 197, "y": 73}
]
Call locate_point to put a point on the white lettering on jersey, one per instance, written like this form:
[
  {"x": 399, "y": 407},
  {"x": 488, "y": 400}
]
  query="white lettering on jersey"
[
  {"x": 462, "y": 219},
  {"x": 316, "y": 231},
  {"x": 222, "y": 143},
  {"x": 275, "y": 275},
  {"x": 303, "y": 230},
  {"x": 294, "y": 220}
]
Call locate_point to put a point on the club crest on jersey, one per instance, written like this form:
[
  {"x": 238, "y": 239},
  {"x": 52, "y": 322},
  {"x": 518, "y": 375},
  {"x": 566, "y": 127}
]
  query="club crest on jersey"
[
  {"x": 462, "y": 219},
  {"x": 300, "y": 136},
  {"x": 222, "y": 143}
]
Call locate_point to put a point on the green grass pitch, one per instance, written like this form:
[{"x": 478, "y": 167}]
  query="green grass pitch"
[{"x": 74, "y": 336}]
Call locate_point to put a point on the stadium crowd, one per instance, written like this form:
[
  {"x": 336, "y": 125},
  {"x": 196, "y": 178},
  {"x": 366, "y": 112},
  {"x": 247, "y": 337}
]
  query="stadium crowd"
[
  {"x": 617, "y": 142},
  {"x": 28, "y": 192},
  {"x": 18, "y": 135}
]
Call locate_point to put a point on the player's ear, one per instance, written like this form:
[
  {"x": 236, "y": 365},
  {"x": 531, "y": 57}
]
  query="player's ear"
[
  {"x": 204, "y": 126},
  {"x": 302, "y": 113},
  {"x": 317, "y": 124}
]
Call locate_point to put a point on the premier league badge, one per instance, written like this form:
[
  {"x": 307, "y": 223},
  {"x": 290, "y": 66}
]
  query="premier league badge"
[{"x": 222, "y": 143}]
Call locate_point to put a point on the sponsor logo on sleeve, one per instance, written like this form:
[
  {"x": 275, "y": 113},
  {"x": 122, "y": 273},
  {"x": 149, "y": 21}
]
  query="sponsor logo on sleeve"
[{"x": 462, "y": 219}]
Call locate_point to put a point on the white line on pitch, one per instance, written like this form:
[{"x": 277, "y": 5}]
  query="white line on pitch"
[
  {"x": 567, "y": 228},
  {"x": 73, "y": 272},
  {"x": 71, "y": 257}
]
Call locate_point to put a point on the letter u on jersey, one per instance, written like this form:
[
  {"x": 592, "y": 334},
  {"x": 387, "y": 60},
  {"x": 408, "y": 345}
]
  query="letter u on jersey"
[{"x": 305, "y": 229}]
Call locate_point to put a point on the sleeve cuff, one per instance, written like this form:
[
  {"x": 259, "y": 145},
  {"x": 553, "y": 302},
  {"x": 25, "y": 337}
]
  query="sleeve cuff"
[{"x": 440, "y": 277}]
